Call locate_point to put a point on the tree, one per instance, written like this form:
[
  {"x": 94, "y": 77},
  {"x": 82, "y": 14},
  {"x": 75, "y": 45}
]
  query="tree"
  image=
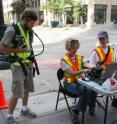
[
  {"x": 59, "y": 7},
  {"x": 19, "y": 7},
  {"x": 55, "y": 6},
  {"x": 79, "y": 11}
]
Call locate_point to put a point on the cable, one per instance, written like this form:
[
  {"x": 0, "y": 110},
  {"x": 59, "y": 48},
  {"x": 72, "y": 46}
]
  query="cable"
[{"x": 41, "y": 43}]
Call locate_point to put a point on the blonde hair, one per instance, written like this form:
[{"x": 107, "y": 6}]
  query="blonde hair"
[{"x": 70, "y": 42}]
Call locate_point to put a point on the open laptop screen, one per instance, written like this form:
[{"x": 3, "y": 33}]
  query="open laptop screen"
[{"x": 110, "y": 69}]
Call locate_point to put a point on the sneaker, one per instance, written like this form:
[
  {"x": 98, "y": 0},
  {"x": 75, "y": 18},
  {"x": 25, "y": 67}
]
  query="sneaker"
[
  {"x": 11, "y": 120},
  {"x": 75, "y": 118},
  {"x": 114, "y": 103},
  {"x": 28, "y": 113},
  {"x": 92, "y": 111}
]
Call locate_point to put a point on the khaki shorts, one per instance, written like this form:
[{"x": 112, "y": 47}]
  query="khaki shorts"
[{"x": 21, "y": 84}]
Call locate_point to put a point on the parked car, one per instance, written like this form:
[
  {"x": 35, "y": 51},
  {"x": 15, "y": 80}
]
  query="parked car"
[{"x": 3, "y": 62}]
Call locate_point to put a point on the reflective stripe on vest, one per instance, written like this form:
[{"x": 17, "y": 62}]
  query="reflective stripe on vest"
[
  {"x": 74, "y": 66},
  {"x": 101, "y": 54},
  {"x": 24, "y": 55}
]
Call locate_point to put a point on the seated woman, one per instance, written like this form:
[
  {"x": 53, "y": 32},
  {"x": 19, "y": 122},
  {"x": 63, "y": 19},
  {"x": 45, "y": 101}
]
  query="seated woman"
[{"x": 72, "y": 65}]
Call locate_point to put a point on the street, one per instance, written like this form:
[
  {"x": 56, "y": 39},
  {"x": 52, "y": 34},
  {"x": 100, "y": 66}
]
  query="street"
[
  {"x": 43, "y": 100},
  {"x": 48, "y": 62}
]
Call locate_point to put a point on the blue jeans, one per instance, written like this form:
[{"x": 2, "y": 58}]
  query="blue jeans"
[{"x": 80, "y": 90}]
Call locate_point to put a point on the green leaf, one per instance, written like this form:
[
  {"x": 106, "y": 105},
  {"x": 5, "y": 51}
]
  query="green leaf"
[{"x": 19, "y": 7}]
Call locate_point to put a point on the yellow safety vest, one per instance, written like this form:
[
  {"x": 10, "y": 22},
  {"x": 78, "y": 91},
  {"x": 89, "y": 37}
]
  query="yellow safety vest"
[
  {"x": 24, "y": 55},
  {"x": 110, "y": 58},
  {"x": 74, "y": 66}
]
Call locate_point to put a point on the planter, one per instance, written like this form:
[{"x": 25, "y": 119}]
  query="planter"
[{"x": 54, "y": 24}]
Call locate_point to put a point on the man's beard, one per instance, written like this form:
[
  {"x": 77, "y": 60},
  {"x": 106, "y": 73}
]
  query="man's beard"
[{"x": 26, "y": 27}]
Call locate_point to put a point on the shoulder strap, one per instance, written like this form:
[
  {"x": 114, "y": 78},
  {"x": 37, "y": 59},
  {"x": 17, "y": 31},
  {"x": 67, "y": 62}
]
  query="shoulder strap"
[
  {"x": 17, "y": 32},
  {"x": 16, "y": 28},
  {"x": 106, "y": 56}
]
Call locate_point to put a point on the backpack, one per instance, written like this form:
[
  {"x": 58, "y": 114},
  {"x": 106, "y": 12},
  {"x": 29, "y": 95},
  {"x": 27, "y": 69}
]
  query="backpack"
[{"x": 18, "y": 39}]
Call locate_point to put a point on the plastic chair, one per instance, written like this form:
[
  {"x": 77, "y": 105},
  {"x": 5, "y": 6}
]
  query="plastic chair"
[{"x": 66, "y": 94}]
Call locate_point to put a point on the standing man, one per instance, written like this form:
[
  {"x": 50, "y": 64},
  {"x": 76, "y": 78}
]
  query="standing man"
[
  {"x": 17, "y": 42},
  {"x": 102, "y": 55}
]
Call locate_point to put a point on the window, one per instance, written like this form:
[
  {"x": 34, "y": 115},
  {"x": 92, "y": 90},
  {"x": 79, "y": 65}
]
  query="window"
[
  {"x": 36, "y": 4},
  {"x": 28, "y": 3},
  {"x": 39, "y": 3},
  {"x": 32, "y": 4},
  {"x": 100, "y": 13},
  {"x": 85, "y": 13},
  {"x": 114, "y": 13},
  {"x": 69, "y": 15}
]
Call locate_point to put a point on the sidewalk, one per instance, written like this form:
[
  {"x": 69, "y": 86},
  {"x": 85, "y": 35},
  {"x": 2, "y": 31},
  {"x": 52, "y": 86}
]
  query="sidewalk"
[
  {"x": 44, "y": 106},
  {"x": 43, "y": 100}
]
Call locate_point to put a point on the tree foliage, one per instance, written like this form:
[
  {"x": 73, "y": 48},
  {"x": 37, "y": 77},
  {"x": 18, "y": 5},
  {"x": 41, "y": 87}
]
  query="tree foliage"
[
  {"x": 19, "y": 6},
  {"x": 58, "y": 6},
  {"x": 78, "y": 9}
]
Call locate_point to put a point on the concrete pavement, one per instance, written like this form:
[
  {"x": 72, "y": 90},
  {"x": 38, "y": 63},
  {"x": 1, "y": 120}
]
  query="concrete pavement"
[
  {"x": 44, "y": 106},
  {"x": 43, "y": 100}
]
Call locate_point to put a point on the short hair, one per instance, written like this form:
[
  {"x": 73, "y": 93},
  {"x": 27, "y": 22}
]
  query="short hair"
[
  {"x": 70, "y": 42},
  {"x": 29, "y": 14}
]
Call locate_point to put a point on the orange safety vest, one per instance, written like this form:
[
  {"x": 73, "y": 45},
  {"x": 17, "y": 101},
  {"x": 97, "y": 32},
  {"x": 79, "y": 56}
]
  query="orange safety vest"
[
  {"x": 74, "y": 66},
  {"x": 101, "y": 54}
]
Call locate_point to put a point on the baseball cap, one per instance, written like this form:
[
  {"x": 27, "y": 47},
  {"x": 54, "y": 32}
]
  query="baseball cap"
[{"x": 102, "y": 34}]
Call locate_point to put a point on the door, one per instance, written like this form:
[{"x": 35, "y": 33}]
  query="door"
[{"x": 100, "y": 13}]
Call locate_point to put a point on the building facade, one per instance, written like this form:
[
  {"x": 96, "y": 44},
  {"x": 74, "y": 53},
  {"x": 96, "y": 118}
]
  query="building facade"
[
  {"x": 98, "y": 12},
  {"x": 101, "y": 11},
  {"x": 37, "y": 6},
  {"x": 8, "y": 18}
]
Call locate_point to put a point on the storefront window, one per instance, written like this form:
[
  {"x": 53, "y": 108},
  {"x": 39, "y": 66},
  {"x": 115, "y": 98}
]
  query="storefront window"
[
  {"x": 114, "y": 13},
  {"x": 100, "y": 13},
  {"x": 85, "y": 13}
]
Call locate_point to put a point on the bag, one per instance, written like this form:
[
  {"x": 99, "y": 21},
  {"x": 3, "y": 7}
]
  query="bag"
[
  {"x": 96, "y": 73},
  {"x": 110, "y": 83},
  {"x": 18, "y": 40}
]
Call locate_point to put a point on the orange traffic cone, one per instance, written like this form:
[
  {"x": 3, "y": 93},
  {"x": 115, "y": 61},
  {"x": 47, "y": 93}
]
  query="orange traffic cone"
[{"x": 3, "y": 101}]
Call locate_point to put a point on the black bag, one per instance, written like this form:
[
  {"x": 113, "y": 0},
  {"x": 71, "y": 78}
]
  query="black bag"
[{"x": 96, "y": 73}]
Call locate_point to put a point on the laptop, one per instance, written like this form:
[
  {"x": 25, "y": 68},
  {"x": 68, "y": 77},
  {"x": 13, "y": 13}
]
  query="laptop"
[{"x": 110, "y": 70}]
